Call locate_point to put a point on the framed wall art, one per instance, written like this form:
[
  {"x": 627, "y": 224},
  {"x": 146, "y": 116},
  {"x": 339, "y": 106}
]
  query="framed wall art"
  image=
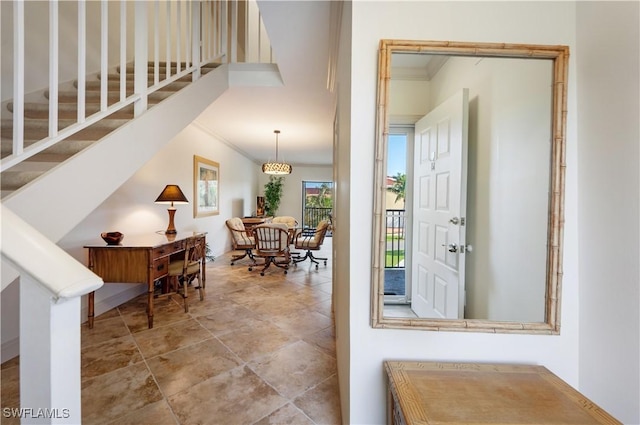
[{"x": 206, "y": 187}]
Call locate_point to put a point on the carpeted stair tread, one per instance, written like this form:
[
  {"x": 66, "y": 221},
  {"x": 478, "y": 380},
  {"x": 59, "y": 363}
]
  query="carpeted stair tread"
[
  {"x": 64, "y": 147},
  {"x": 39, "y": 129},
  {"x": 115, "y": 86},
  {"x": 14, "y": 180},
  {"x": 162, "y": 66},
  {"x": 150, "y": 78},
  {"x": 112, "y": 96},
  {"x": 68, "y": 110}
]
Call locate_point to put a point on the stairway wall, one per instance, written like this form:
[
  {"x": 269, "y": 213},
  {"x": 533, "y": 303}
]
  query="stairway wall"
[{"x": 56, "y": 204}]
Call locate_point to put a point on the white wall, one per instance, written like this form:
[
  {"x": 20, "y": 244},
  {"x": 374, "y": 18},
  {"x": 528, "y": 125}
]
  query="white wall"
[
  {"x": 608, "y": 57},
  {"x": 131, "y": 209},
  {"x": 517, "y": 22},
  {"x": 291, "y": 202}
]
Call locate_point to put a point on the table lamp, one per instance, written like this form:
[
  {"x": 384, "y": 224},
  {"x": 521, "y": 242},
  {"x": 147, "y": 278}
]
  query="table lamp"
[{"x": 172, "y": 194}]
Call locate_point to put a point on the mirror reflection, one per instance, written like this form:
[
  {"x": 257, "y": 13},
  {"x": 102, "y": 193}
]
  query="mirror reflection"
[{"x": 469, "y": 224}]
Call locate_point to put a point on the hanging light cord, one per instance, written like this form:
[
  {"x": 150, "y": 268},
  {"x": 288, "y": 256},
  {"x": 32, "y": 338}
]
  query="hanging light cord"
[{"x": 277, "y": 133}]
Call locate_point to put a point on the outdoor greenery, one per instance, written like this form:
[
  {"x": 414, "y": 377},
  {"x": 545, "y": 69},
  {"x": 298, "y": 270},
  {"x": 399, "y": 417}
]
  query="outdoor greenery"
[
  {"x": 323, "y": 199},
  {"x": 394, "y": 253},
  {"x": 272, "y": 194},
  {"x": 393, "y": 258},
  {"x": 318, "y": 202},
  {"x": 399, "y": 186}
]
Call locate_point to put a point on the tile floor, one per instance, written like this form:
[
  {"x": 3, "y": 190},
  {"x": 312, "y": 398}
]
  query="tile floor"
[{"x": 257, "y": 350}]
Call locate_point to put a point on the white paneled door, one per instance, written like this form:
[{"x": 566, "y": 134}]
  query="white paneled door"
[{"x": 439, "y": 207}]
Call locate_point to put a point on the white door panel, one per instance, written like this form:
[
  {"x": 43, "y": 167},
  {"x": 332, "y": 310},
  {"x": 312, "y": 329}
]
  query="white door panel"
[{"x": 439, "y": 195}]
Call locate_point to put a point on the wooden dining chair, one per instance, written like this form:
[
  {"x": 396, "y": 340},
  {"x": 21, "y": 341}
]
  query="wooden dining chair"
[
  {"x": 183, "y": 272},
  {"x": 272, "y": 244}
]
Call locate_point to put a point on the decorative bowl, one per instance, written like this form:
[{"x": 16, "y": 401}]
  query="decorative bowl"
[{"x": 112, "y": 238}]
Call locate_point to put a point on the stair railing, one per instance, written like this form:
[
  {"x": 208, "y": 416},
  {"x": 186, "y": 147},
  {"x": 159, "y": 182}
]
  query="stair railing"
[
  {"x": 51, "y": 285},
  {"x": 185, "y": 34}
]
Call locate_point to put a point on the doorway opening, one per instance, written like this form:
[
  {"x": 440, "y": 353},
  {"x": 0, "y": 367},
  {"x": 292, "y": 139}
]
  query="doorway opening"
[{"x": 396, "y": 280}]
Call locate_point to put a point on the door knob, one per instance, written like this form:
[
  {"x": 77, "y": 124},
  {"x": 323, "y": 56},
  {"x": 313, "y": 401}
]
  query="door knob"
[
  {"x": 451, "y": 247},
  {"x": 456, "y": 220}
]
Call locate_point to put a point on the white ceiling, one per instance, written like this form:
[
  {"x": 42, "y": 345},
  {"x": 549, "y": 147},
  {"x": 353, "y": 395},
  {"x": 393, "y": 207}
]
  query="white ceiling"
[{"x": 302, "y": 109}]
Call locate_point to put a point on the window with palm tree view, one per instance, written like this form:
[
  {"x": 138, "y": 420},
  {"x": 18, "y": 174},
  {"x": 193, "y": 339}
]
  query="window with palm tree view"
[{"x": 317, "y": 203}]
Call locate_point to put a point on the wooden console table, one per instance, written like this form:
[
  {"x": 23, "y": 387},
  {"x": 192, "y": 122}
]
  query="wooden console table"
[
  {"x": 139, "y": 259},
  {"x": 470, "y": 393}
]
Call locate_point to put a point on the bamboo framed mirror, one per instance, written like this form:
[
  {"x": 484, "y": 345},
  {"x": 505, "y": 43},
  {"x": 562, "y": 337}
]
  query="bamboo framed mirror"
[{"x": 477, "y": 239}]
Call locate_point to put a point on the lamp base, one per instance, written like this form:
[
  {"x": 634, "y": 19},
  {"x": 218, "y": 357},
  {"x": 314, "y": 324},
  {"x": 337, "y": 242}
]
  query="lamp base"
[{"x": 171, "y": 230}]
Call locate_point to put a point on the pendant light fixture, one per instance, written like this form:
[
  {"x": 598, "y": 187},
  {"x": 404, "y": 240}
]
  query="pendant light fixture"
[{"x": 276, "y": 167}]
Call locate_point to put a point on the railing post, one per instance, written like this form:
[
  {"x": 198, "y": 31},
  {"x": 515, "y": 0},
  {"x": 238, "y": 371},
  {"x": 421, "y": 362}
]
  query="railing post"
[
  {"x": 141, "y": 57},
  {"x": 53, "y": 67},
  {"x": 50, "y": 381},
  {"x": 234, "y": 30},
  {"x": 104, "y": 55},
  {"x": 252, "y": 33},
  {"x": 196, "y": 38},
  {"x": 82, "y": 59},
  {"x": 18, "y": 78}
]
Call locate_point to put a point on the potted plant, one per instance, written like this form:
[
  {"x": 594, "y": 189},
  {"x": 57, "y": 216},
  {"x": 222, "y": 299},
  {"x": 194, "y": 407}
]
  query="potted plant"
[{"x": 272, "y": 194}]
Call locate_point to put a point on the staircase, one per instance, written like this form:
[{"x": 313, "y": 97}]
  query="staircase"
[{"x": 37, "y": 122}]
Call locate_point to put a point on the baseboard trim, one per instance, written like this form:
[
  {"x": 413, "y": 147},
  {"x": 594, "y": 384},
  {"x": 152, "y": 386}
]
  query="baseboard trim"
[
  {"x": 10, "y": 349},
  {"x": 113, "y": 301}
]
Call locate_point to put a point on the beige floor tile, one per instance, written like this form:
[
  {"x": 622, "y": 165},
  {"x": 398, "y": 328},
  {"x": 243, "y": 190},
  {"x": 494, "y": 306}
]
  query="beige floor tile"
[
  {"x": 165, "y": 311},
  {"x": 164, "y": 339},
  {"x": 116, "y": 394},
  {"x": 295, "y": 368},
  {"x": 10, "y": 390},
  {"x": 325, "y": 307},
  {"x": 308, "y": 296},
  {"x": 224, "y": 286},
  {"x": 183, "y": 368},
  {"x": 255, "y": 340},
  {"x": 324, "y": 340},
  {"x": 227, "y": 319},
  {"x": 286, "y": 415},
  {"x": 274, "y": 305},
  {"x": 249, "y": 295},
  {"x": 103, "y": 330},
  {"x": 158, "y": 413},
  {"x": 235, "y": 397},
  {"x": 212, "y": 302},
  {"x": 302, "y": 322},
  {"x": 98, "y": 359},
  {"x": 133, "y": 305},
  {"x": 322, "y": 403}
]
